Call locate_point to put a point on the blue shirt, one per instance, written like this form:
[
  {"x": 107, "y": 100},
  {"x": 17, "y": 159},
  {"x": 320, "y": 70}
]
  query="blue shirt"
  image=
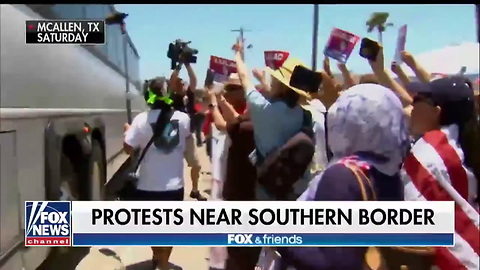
[{"x": 274, "y": 123}]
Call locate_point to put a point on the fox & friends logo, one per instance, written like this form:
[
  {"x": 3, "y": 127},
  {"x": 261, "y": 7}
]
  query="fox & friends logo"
[{"x": 47, "y": 224}]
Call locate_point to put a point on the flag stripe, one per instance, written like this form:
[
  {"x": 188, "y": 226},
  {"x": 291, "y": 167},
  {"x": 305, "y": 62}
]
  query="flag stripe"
[
  {"x": 434, "y": 171},
  {"x": 446, "y": 258},
  {"x": 452, "y": 161},
  {"x": 432, "y": 191},
  {"x": 433, "y": 163},
  {"x": 447, "y": 261}
]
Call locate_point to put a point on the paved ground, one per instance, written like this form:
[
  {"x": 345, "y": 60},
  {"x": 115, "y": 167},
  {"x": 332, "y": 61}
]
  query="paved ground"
[{"x": 138, "y": 258}]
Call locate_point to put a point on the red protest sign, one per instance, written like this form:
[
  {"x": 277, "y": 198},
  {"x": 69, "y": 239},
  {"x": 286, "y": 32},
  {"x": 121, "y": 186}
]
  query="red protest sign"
[
  {"x": 340, "y": 45},
  {"x": 401, "y": 41},
  {"x": 275, "y": 59},
  {"x": 222, "y": 68}
]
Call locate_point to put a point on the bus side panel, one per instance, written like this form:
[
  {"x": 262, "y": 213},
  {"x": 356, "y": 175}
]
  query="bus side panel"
[
  {"x": 62, "y": 77},
  {"x": 29, "y": 154},
  {"x": 10, "y": 234}
]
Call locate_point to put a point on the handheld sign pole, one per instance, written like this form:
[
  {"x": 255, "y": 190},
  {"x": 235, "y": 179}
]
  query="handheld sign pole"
[
  {"x": 119, "y": 18},
  {"x": 315, "y": 37},
  {"x": 477, "y": 11},
  {"x": 127, "y": 77}
]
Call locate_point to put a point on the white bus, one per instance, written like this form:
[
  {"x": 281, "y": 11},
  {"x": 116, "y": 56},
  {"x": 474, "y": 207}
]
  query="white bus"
[{"x": 62, "y": 114}]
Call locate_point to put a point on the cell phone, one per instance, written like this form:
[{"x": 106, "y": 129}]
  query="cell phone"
[
  {"x": 306, "y": 79},
  {"x": 209, "y": 78},
  {"x": 369, "y": 49}
]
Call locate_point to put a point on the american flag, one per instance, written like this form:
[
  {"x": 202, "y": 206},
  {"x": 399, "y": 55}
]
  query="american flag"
[{"x": 434, "y": 171}]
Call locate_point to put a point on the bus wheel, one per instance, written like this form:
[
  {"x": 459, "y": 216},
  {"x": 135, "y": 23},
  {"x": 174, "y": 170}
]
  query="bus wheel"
[
  {"x": 69, "y": 189},
  {"x": 97, "y": 175}
]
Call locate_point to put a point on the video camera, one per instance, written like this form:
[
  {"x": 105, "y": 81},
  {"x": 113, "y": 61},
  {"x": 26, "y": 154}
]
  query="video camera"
[{"x": 180, "y": 52}]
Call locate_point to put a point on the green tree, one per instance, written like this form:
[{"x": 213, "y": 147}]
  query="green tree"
[{"x": 378, "y": 21}]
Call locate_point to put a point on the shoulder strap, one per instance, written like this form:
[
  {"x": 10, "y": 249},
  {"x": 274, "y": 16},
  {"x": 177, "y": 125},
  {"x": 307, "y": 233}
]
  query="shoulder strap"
[
  {"x": 162, "y": 121},
  {"x": 327, "y": 148},
  {"x": 307, "y": 124},
  {"x": 359, "y": 175}
]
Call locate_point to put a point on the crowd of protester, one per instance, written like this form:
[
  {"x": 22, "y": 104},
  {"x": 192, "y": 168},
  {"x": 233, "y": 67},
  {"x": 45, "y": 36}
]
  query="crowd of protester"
[{"x": 374, "y": 138}]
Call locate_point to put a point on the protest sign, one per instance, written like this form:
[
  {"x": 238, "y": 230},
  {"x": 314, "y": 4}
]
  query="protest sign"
[
  {"x": 222, "y": 68},
  {"x": 401, "y": 41},
  {"x": 275, "y": 59},
  {"x": 340, "y": 45}
]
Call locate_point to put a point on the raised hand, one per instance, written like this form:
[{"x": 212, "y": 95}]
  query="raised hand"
[
  {"x": 407, "y": 58},
  {"x": 326, "y": 66},
  {"x": 211, "y": 98},
  {"x": 326, "y": 63},
  {"x": 341, "y": 66},
  {"x": 238, "y": 46},
  {"x": 258, "y": 74},
  {"x": 395, "y": 67},
  {"x": 378, "y": 65}
]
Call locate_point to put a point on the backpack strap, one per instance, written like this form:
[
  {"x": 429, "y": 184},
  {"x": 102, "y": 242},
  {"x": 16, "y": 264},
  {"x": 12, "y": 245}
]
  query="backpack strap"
[
  {"x": 162, "y": 121},
  {"x": 327, "y": 147},
  {"x": 373, "y": 257},
  {"x": 360, "y": 175},
  {"x": 307, "y": 124}
]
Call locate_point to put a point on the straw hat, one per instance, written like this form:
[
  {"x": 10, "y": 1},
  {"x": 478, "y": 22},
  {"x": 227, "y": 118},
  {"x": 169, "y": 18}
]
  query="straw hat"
[
  {"x": 284, "y": 73},
  {"x": 233, "y": 80}
]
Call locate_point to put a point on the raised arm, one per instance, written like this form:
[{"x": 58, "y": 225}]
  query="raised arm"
[
  {"x": 255, "y": 100},
  {"x": 217, "y": 116},
  {"x": 174, "y": 79},
  {"x": 348, "y": 80},
  {"x": 330, "y": 90},
  {"x": 378, "y": 68},
  {"x": 398, "y": 70},
  {"x": 191, "y": 77},
  {"x": 420, "y": 72},
  {"x": 228, "y": 112},
  {"x": 242, "y": 69},
  {"x": 326, "y": 66},
  {"x": 262, "y": 79}
]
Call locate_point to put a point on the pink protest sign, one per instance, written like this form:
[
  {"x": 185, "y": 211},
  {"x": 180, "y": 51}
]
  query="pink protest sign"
[
  {"x": 222, "y": 68},
  {"x": 401, "y": 41},
  {"x": 340, "y": 45},
  {"x": 275, "y": 59}
]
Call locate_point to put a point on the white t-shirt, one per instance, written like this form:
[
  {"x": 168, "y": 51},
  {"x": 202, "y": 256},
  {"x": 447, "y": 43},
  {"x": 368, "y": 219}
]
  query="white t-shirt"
[
  {"x": 317, "y": 109},
  {"x": 161, "y": 169},
  {"x": 220, "y": 145}
]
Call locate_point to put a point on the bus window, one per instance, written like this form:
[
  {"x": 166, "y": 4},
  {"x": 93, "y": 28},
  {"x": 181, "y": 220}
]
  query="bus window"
[{"x": 70, "y": 11}]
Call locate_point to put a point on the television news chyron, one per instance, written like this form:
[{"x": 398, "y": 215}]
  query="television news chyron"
[{"x": 84, "y": 32}]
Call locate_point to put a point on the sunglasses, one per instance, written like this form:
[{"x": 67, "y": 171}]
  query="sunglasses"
[{"x": 424, "y": 98}]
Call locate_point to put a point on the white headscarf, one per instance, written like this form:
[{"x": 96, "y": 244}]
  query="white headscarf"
[{"x": 369, "y": 118}]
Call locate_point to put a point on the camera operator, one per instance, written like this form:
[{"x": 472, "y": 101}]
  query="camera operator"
[
  {"x": 184, "y": 100},
  {"x": 161, "y": 174}
]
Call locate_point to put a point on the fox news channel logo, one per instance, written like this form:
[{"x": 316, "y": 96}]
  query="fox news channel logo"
[
  {"x": 85, "y": 32},
  {"x": 47, "y": 224}
]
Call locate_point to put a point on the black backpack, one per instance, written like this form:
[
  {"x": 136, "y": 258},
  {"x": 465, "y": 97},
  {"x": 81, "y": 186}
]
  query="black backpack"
[{"x": 281, "y": 169}]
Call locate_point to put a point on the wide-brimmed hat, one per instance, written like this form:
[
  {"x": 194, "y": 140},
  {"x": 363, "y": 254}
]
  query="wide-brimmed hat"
[
  {"x": 284, "y": 73},
  {"x": 233, "y": 80}
]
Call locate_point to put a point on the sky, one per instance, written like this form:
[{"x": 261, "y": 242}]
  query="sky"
[{"x": 286, "y": 28}]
